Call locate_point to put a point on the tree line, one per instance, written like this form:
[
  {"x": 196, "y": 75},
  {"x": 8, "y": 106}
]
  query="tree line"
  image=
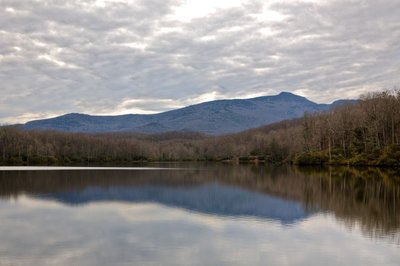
[{"x": 362, "y": 133}]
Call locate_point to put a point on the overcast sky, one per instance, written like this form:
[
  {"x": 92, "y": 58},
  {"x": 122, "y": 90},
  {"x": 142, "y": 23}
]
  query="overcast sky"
[{"x": 146, "y": 56}]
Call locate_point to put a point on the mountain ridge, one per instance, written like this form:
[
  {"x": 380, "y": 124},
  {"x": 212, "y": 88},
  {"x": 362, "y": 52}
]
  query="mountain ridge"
[{"x": 213, "y": 117}]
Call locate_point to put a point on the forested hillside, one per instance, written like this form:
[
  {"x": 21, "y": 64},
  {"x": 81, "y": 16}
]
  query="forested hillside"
[{"x": 362, "y": 133}]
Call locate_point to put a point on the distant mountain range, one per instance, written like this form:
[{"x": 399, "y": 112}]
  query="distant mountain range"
[{"x": 215, "y": 117}]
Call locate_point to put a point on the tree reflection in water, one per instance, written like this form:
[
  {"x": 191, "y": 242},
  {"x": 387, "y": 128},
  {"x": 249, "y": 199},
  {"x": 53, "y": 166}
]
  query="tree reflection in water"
[{"x": 365, "y": 197}]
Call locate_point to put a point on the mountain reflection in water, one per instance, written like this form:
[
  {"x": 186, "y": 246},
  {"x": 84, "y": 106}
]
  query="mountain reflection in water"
[
  {"x": 281, "y": 215},
  {"x": 286, "y": 194}
]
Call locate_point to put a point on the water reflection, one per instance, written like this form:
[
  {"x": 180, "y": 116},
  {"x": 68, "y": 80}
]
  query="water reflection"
[
  {"x": 368, "y": 196},
  {"x": 210, "y": 198},
  {"x": 214, "y": 215}
]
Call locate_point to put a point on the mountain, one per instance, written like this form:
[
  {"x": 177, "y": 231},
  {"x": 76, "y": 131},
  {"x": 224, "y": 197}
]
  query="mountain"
[{"x": 215, "y": 117}]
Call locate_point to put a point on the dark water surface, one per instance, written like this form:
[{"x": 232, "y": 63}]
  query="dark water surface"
[{"x": 199, "y": 215}]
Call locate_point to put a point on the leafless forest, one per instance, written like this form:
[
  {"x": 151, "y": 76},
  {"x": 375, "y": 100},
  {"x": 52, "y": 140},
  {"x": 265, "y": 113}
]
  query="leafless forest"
[{"x": 365, "y": 133}]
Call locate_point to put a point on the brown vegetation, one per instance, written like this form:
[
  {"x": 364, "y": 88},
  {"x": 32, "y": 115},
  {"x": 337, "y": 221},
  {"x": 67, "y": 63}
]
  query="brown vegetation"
[{"x": 365, "y": 133}]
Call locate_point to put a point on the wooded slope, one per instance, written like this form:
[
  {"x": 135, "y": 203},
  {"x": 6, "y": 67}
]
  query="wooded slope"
[{"x": 362, "y": 133}]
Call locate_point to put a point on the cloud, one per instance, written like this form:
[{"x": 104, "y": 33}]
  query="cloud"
[{"x": 95, "y": 56}]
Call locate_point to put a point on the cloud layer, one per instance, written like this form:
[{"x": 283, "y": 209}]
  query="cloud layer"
[{"x": 143, "y": 56}]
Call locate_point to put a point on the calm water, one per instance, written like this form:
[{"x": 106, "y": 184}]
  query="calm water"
[{"x": 199, "y": 215}]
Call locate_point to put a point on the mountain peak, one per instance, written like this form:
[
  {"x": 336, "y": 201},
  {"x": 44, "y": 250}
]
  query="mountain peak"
[
  {"x": 284, "y": 96},
  {"x": 289, "y": 95}
]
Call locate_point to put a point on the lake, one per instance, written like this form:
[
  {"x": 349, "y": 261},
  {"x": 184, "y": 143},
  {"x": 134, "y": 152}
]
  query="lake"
[{"x": 199, "y": 214}]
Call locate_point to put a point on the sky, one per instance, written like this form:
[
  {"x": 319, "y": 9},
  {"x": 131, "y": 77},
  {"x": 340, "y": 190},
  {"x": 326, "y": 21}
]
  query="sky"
[{"x": 148, "y": 56}]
